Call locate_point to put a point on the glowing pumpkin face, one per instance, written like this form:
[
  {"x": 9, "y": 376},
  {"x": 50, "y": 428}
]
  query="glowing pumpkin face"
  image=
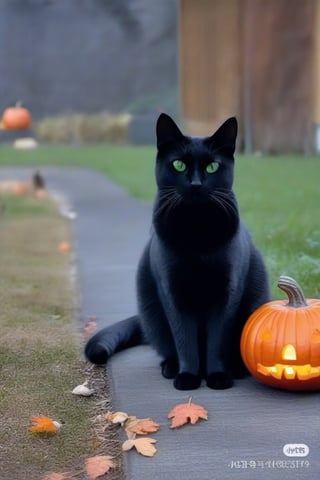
[{"x": 280, "y": 342}]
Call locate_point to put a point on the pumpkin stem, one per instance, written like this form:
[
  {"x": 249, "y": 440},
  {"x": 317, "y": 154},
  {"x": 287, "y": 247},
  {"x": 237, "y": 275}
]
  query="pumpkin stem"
[{"x": 293, "y": 290}]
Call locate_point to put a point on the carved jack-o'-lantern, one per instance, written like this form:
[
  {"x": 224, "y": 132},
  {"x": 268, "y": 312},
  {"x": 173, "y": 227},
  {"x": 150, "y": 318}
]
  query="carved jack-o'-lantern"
[{"x": 280, "y": 343}]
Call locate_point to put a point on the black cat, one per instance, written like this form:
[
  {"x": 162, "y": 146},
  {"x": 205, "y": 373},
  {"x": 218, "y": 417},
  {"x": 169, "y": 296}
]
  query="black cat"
[{"x": 200, "y": 276}]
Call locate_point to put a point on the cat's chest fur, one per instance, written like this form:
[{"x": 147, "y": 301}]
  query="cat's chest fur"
[{"x": 195, "y": 282}]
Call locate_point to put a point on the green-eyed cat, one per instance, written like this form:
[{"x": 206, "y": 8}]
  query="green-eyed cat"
[{"x": 200, "y": 275}]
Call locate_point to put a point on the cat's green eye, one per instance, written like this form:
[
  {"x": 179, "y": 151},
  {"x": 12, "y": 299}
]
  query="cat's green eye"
[
  {"x": 212, "y": 167},
  {"x": 179, "y": 165}
]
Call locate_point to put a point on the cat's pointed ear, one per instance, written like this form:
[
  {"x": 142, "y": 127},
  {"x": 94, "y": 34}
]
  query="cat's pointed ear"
[
  {"x": 226, "y": 135},
  {"x": 167, "y": 130}
]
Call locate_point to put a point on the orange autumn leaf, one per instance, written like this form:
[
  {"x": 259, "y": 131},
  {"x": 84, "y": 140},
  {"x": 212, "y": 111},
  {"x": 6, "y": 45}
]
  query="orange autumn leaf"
[
  {"x": 64, "y": 247},
  {"x": 141, "y": 426},
  {"x": 44, "y": 425},
  {"x": 117, "y": 418},
  {"x": 21, "y": 188},
  {"x": 144, "y": 446},
  {"x": 56, "y": 476},
  {"x": 98, "y": 466},
  {"x": 187, "y": 412},
  {"x": 90, "y": 327}
]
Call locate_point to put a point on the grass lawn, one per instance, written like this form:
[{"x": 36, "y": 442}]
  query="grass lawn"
[
  {"x": 279, "y": 198},
  {"x": 40, "y": 346}
]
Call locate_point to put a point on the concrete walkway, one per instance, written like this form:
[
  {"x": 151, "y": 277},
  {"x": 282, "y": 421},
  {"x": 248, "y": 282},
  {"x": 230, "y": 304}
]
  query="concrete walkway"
[{"x": 248, "y": 425}]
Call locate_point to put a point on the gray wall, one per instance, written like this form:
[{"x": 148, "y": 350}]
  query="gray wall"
[{"x": 87, "y": 55}]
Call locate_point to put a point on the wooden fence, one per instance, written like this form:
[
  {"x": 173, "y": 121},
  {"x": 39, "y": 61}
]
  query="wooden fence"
[{"x": 256, "y": 59}]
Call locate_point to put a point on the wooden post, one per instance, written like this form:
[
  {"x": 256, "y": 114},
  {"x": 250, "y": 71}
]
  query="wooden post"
[
  {"x": 210, "y": 63},
  {"x": 316, "y": 111},
  {"x": 248, "y": 49}
]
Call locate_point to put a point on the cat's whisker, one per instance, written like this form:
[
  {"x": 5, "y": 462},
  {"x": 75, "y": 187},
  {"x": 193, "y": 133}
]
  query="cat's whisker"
[
  {"x": 170, "y": 198},
  {"x": 223, "y": 200},
  {"x": 223, "y": 191}
]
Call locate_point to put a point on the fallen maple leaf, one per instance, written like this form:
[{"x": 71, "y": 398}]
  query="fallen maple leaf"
[
  {"x": 143, "y": 445},
  {"x": 117, "y": 417},
  {"x": 90, "y": 327},
  {"x": 187, "y": 412},
  {"x": 56, "y": 476},
  {"x": 98, "y": 466},
  {"x": 44, "y": 425},
  {"x": 64, "y": 247},
  {"x": 141, "y": 426}
]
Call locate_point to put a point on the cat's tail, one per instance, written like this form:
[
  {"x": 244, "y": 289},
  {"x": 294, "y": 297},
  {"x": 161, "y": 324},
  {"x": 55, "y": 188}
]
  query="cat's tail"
[{"x": 112, "y": 339}]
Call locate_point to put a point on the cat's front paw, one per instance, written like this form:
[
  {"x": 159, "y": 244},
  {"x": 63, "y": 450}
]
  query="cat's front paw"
[
  {"x": 219, "y": 380},
  {"x": 169, "y": 368},
  {"x": 187, "y": 381}
]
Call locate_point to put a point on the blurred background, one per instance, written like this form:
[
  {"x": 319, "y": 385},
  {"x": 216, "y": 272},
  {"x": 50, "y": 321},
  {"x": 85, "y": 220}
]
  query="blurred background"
[
  {"x": 79, "y": 64},
  {"x": 95, "y": 75}
]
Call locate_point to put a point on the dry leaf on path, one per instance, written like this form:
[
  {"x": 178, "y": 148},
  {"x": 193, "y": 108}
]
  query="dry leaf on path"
[
  {"x": 44, "y": 425},
  {"x": 187, "y": 412},
  {"x": 141, "y": 426},
  {"x": 118, "y": 417},
  {"x": 98, "y": 466},
  {"x": 90, "y": 327},
  {"x": 144, "y": 446},
  {"x": 83, "y": 390},
  {"x": 64, "y": 247},
  {"x": 56, "y": 476}
]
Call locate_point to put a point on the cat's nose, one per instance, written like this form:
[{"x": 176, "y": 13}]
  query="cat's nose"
[
  {"x": 196, "y": 183},
  {"x": 196, "y": 180}
]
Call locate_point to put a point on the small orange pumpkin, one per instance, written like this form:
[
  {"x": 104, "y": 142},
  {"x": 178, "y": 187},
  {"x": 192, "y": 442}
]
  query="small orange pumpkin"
[
  {"x": 280, "y": 343},
  {"x": 16, "y": 118}
]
